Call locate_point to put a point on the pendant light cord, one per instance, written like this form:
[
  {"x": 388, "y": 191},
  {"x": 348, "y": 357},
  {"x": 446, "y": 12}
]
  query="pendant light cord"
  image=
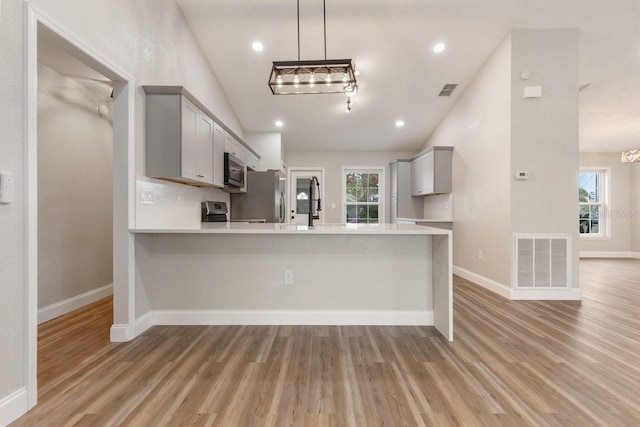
[
  {"x": 298, "y": 9},
  {"x": 324, "y": 20}
]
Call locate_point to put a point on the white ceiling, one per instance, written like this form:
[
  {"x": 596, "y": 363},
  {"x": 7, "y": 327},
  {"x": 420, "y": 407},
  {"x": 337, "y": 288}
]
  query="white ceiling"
[{"x": 400, "y": 76}]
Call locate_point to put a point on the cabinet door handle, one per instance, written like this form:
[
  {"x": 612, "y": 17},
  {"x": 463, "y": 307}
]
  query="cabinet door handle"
[{"x": 200, "y": 176}]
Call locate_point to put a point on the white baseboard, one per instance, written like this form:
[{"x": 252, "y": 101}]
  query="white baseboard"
[
  {"x": 485, "y": 282},
  {"x": 120, "y": 333},
  {"x": 570, "y": 294},
  {"x": 292, "y": 317},
  {"x": 143, "y": 323},
  {"x": 13, "y": 406},
  {"x": 609, "y": 254},
  {"x": 63, "y": 307}
]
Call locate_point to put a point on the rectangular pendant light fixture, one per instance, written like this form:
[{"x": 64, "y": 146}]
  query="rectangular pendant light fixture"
[{"x": 312, "y": 77}]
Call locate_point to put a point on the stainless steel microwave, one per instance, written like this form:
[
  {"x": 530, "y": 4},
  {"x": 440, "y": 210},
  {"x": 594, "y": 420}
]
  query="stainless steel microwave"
[{"x": 234, "y": 171}]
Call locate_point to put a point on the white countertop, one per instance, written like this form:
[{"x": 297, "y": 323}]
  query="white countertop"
[
  {"x": 270, "y": 228},
  {"x": 423, "y": 220}
]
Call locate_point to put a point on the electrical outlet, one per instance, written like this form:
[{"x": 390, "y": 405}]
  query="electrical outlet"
[
  {"x": 480, "y": 254},
  {"x": 147, "y": 197},
  {"x": 288, "y": 277}
]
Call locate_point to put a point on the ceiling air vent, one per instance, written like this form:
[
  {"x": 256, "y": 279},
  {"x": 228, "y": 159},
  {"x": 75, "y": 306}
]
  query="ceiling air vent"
[{"x": 447, "y": 89}]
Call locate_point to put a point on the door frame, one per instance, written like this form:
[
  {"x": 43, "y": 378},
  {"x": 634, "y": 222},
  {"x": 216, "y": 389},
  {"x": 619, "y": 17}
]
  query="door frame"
[
  {"x": 291, "y": 189},
  {"x": 123, "y": 188}
]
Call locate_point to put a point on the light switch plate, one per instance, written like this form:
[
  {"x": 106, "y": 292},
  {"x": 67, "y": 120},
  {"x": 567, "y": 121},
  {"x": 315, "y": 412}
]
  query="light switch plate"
[
  {"x": 6, "y": 187},
  {"x": 533, "y": 92}
]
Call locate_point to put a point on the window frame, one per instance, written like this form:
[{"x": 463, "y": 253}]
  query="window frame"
[
  {"x": 382, "y": 184},
  {"x": 604, "y": 221}
]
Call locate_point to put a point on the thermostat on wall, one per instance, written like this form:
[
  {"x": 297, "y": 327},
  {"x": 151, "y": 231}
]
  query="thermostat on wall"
[{"x": 522, "y": 175}]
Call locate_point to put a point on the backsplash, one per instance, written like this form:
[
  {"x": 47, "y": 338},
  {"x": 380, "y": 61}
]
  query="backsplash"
[{"x": 165, "y": 205}]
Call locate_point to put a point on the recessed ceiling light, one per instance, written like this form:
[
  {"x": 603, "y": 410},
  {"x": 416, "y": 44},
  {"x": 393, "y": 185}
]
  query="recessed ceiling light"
[
  {"x": 399, "y": 123},
  {"x": 438, "y": 47},
  {"x": 279, "y": 123},
  {"x": 257, "y": 46}
]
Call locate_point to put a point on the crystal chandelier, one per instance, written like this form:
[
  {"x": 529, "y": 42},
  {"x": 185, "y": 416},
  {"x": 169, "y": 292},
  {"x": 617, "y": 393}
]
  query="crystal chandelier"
[{"x": 631, "y": 156}]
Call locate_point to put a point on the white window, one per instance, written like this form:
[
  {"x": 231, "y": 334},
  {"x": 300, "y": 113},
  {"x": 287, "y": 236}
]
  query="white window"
[
  {"x": 592, "y": 198},
  {"x": 363, "y": 195}
]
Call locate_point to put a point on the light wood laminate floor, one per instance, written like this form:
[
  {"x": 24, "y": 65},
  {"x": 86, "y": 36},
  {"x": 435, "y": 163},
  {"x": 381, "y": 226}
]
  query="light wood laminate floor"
[{"x": 511, "y": 364}]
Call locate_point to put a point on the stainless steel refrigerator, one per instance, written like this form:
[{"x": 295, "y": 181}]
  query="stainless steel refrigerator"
[{"x": 264, "y": 200}]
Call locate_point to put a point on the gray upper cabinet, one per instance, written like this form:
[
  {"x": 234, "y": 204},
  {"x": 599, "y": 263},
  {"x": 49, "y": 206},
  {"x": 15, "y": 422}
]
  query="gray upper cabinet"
[
  {"x": 179, "y": 140},
  {"x": 185, "y": 142},
  {"x": 431, "y": 171}
]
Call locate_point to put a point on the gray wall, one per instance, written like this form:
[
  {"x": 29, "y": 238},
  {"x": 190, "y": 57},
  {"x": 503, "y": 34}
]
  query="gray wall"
[
  {"x": 478, "y": 126},
  {"x": 544, "y": 134},
  {"x": 635, "y": 205},
  {"x": 496, "y": 132},
  {"x": 333, "y": 162},
  {"x": 12, "y": 264},
  {"x": 75, "y": 203},
  {"x": 118, "y": 31}
]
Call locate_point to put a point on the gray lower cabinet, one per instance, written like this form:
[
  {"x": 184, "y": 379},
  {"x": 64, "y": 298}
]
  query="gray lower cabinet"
[
  {"x": 180, "y": 141},
  {"x": 431, "y": 171}
]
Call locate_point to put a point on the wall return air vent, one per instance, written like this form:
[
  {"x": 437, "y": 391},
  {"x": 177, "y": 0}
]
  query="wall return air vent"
[
  {"x": 542, "y": 261},
  {"x": 448, "y": 89}
]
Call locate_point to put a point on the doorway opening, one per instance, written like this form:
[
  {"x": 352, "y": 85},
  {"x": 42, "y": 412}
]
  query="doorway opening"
[
  {"x": 80, "y": 84},
  {"x": 75, "y": 182},
  {"x": 300, "y": 198}
]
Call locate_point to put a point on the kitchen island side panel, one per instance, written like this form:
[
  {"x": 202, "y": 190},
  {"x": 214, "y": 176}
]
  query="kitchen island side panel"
[{"x": 245, "y": 272}]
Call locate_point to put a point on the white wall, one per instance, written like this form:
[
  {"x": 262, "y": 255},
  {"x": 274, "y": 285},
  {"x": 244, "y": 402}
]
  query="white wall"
[
  {"x": 171, "y": 205},
  {"x": 333, "y": 162},
  {"x": 12, "y": 224},
  {"x": 269, "y": 146},
  {"x": 544, "y": 135},
  {"x": 75, "y": 175},
  {"x": 478, "y": 127},
  {"x": 622, "y": 219}
]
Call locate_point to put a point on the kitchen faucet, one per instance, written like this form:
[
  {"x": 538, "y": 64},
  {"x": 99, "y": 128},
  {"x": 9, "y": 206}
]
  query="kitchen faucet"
[{"x": 311, "y": 199}]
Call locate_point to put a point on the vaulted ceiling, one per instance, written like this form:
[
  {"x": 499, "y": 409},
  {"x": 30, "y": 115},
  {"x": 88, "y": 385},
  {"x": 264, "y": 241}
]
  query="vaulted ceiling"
[{"x": 400, "y": 75}]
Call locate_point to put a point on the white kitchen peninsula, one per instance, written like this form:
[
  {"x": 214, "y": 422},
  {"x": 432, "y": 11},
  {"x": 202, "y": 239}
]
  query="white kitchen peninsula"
[{"x": 343, "y": 274}]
